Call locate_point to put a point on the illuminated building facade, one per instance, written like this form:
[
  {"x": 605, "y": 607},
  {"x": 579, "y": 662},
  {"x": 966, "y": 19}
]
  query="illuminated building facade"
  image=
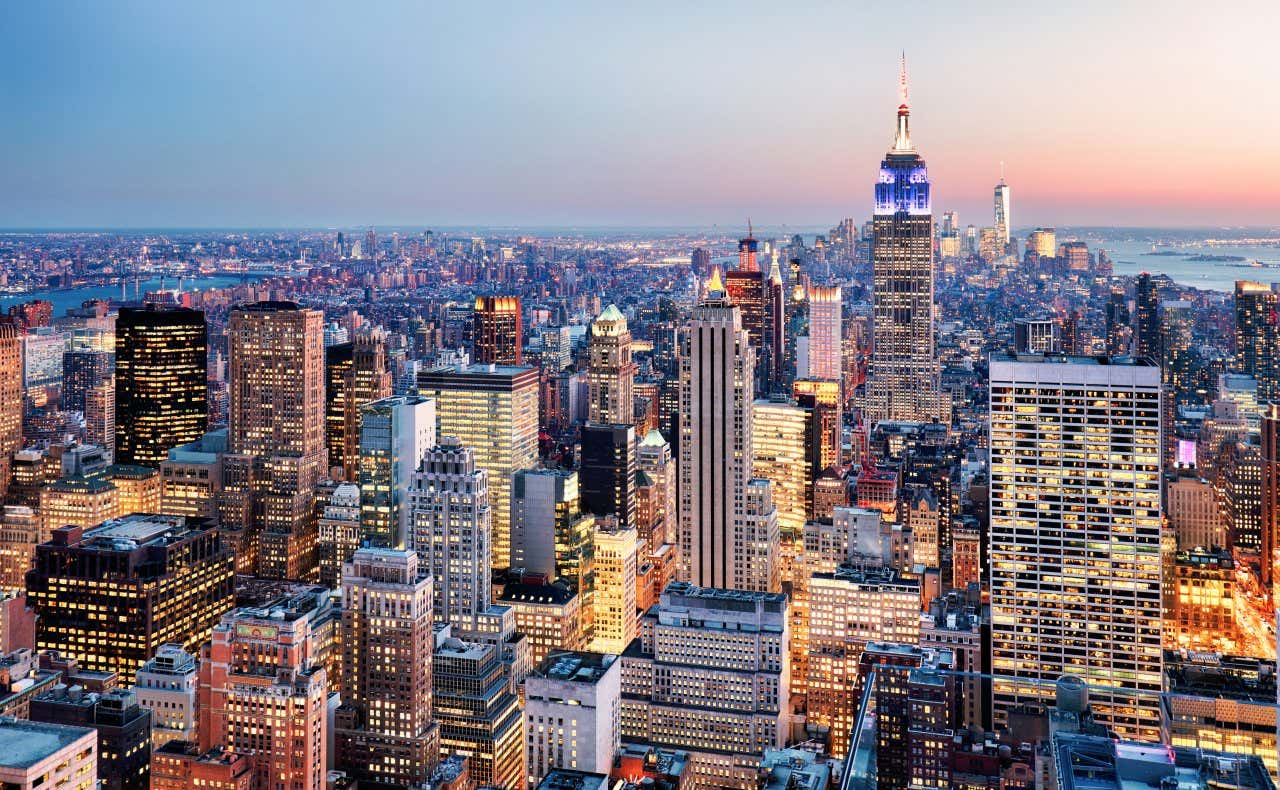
[
  {"x": 493, "y": 411},
  {"x": 180, "y": 765},
  {"x": 823, "y": 397},
  {"x": 161, "y": 382},
  {"x": 395, "y": 435},
  {"x": 1043, "y": 242},
  {"x": 1192, "y": 508},
  {"x": 1076, "y": 585},
  {"x": 498, "y": 331},
  {"x": 384, "y": 729},
  {"x": 1258, "y": 336},
  {"x": 156, "y": 579},
  {"x": 52, "y": 755},
  {"x": 614, "y": 620},
  {"x": 80, "y": 501},
  {"x": 339, "y": 532},
  {"x": 549, "y": 615},
  {"x": 717, "y": 367},
  {"x": 611, "y": 372},
  {"x": 1001, "y": 212},
  {"x": 787, "y": 450},
  {"x": 1269, "y": 491},
  {"x": 263, "y": 691},
  {"x": 356, "y": 373},
  {"x": 607, "y": 471},
  {"x": 550, "y": 534},
  {"x": 572, "y": 714},
  {"x": 654, "y": 460},
  {"x": 904, "y": 376},
  {"x": 710, "y": 675},
  {"x": 1204, "y": 602},
  {"x": 167, "y": 685},
  {"x": 848, "y": 609},
  {"x": 191, "y": 477},
  {"x": 479, "y": 716},
  {"x": 825, "y": 333},
  {"x": 20, "y": 533},
  {"x": 451, "y": 529},
  {"x": 1146, "y": 318}
]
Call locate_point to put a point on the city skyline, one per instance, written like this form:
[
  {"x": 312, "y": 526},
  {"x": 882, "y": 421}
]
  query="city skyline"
[{"x": 267, "y": 118}]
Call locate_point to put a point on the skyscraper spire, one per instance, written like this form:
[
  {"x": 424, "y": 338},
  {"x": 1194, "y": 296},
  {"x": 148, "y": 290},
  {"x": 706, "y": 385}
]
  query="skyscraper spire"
[{"x": 902, "y": 142}]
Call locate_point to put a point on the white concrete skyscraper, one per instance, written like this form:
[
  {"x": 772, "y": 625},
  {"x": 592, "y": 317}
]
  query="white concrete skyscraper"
[
  {"x": 717, "y": 366},
  {"x": 1075, "y": 534},
  {"x": 904, "y": 375}
]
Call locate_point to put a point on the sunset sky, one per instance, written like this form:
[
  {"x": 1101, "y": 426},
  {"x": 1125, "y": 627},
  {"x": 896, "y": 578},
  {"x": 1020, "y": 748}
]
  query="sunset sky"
[{"x": 301, "y": 113}]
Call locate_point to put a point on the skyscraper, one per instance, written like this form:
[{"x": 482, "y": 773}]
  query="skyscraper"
[
  {"x": 825, "y": 333},
  {"x": 10, "y": 397},
  {"x": 1002, "y": 212},
  {"x": 607, "y": 471},
  {"x": 904, "y": 375},
  {"x": 1271, "y": 495},
  {"x": 451, "y": 530},
  {"x": 161, "y": 382},
  {"x": 614, "y": 620},
  {"x": 1075, "y": 551},
  {"x": 1146, "y": 318},
  {"x": 787, "y": 446},
  {"x": 611, "y": 373},
  {"x": 498, "y": 333},
  {"x": 493, "y": 411},
  {"x": 717, "y": 366},
  {"x": 1119, "y": 332},
  {"x": 384, "y": 731},
  {"x": 549, "y": 533},
  {"x": 1258, "y": 336},
  {"x": 395, "y": 435},
  {"x": 355, "y": 374},
  {"x": 653, "y": 459}
]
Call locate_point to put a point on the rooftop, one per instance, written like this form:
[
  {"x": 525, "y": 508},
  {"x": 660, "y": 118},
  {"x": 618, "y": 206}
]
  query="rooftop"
[
  {"x": 25, "y": 743},
  {"x": 565, "y": 779},
  {"x": 1091, "y": 762},
  {"x": 577, "y": 666}
]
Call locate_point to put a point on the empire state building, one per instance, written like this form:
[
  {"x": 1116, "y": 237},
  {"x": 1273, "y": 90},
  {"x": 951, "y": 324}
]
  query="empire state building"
[{"x": 904, "y": 366}]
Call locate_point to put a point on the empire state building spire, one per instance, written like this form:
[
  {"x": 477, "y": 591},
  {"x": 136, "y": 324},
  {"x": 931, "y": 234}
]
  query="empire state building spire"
[{"x": 902, "y": 142}]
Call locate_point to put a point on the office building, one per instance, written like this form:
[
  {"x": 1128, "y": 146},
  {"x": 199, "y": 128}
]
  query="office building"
[
  {"x": 478, "y": 714},
  {"x": 549, "y": 615},
  {"x": 1037, "y": 336},
  {"x": 123, "y": 726},
  {"x": 498, "y": 331},
  {"x": 848, "y": 609},
  {"x": 191, "y": 477},
  {"x": 39, "y": 756},
  {"x": 611, "y": 373},
  {"x": 1078, "y": 760},
  {"x": 83, "y": 368},
  {"x": 1119, "y": 330},
  {"x": 167, "y": 685},
  {"x": 1077, "y": 584},
  {"x": 826, "y": 336},
  {"x": 550, "y": 534},
  {"x": 155, "y": 579},
  {"x": 572, "y": 714},
  {"x": 1042, "y": 242},
  {"x": 180, "y": 765},
  {"x": 356, "y": 373},
  {"x": 20, "y": 533},
  {"x": 655, "y": 462},
  {"x": 756, "y": 296},
  {"x": 717, "y": 365},
  {"x": 161, "y": 377},
  {"x": 384, "y": 730},
  {"x": 614, "y": 619},
  {"x": 710, "y": 675},
  {"x": 10, "y": 397},
  {"x": 1146, "y": 318},
  {"x": 1191, "y": 505},
  {"x": 1258, "y": 336},
  {"x": 1001, "y": 212},
  {"x": 913, "y": 693},
  {"x": 958, "y": 624},
  {"x": 493, "y": 411},
  {"x": 395, "y": 434},
  {"x": 607, "y": 471},
  {"x": 263, "y": 691},
  {"x": 824, "y": 398},
  {"x": 1203, "y": 595},
  {"x": 1222, "y": 703},
  {"x": 339, "y": 532},
  {"x": 903, "y": 380},
  {"x": 1269, "y": 491}
]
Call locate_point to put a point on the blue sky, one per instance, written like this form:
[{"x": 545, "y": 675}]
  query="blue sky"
[{"x": 304, "y": 113}]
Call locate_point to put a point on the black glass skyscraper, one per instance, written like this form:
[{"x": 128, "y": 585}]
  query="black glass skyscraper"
[{"x": 161, "y": 382}]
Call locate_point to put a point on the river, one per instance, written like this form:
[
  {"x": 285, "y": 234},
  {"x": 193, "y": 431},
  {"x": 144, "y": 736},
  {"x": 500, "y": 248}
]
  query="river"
[{"x": 67, "y": 298}]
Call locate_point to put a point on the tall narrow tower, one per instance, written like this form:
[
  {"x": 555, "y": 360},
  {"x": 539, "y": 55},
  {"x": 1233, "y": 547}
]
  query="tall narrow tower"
[
  {"x": 1002, "y": 211},
  {"x": 612, "y": 373},
  {"x": 904, "y": 365},
  {"x": 717, "y": 366}
]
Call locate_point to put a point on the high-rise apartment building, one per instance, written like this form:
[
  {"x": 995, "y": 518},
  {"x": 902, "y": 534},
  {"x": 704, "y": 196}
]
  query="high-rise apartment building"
[
  {"x": 717, "y": 366},
  {"x": 395, "y": 435},
  {"x": 263, "y": 692},
  {"x": 384, "y": 731},
  {"x": 573, "y": 714},
  {"x": 1075, "y": 533},
  {"x": 904, "y": 376},
  {"x": 450, "y": 529},
  {"x": 611, "y": 373},
  {"x": 710, "y": 676},
  {"x": 155, "y": 579},
  {"x": 498, "y": 332},
  {"x": 493, "y": 411},
  {"x": 826, "y": 336},
  {"x": 161, "y": 382},
  {"x": 1258, "y": 336}
]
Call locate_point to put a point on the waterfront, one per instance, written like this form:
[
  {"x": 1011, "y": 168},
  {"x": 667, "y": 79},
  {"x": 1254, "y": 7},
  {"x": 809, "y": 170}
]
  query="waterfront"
[{"x": 66, "y": 298}]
